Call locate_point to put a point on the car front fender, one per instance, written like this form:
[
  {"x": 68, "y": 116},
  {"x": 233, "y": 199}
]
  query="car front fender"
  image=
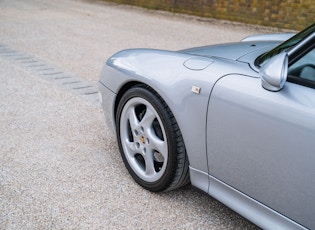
[{"x": 185, "y": 90}]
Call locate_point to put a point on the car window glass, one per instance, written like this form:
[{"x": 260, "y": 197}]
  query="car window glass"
[
  {"x": 304, "y": 68},
  {"x": 285, "y": 46}
]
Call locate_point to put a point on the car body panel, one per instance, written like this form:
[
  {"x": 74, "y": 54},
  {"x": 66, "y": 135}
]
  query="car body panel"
[
  {"x": 264, "y": 136},
  {"x": 261, "y": 215},
  {"x": 269, "y": 37},
  {"x": 232, "y": 51}
]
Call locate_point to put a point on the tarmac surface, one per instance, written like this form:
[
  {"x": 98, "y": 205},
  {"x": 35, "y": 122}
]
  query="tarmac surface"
[{"x": 59, "y": 164}]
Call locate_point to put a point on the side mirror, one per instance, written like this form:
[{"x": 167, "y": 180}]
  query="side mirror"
[{"x": 274, "y": 72}]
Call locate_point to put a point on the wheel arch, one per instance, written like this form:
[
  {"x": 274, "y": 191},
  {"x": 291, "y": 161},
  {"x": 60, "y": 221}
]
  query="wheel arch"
[
  {"x": 165, "y": 73},
  {"x": 124, "y": 88}
]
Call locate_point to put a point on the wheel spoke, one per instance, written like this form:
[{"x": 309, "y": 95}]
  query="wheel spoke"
[
  {"x": 148, "y": 118},
  {"x": 133, "y": 120},
  {"x": 149, "y": 164},
  {"x": 158, "y": 144},
  {"x": 131, "y": 149}
]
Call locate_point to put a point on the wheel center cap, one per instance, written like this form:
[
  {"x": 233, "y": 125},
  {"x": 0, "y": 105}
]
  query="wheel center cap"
[{"x": 142, "y": 139}]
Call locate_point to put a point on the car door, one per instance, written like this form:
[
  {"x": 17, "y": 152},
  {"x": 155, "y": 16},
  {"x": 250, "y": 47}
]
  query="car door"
[{"x": 262, "y": 143}]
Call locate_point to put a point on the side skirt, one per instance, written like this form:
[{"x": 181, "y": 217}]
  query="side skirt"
[
  {"x": 251, "y": 209},
  {"x": 199, "y": 179}
]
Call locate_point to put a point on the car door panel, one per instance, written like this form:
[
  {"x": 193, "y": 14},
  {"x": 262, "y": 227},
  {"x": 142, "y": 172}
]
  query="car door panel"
[{"x": 262, "y": 143}]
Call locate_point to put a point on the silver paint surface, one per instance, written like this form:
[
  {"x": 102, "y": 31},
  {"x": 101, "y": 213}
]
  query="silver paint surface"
[{"x": 248, "y": 147}]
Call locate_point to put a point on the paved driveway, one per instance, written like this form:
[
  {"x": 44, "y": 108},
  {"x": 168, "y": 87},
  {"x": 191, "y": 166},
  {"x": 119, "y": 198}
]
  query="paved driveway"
[{"x": 59, "y": 165}]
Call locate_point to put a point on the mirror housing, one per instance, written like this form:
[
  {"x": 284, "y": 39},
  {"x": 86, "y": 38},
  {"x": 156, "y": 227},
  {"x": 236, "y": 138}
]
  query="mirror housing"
[{"x": 274, "y": 72}]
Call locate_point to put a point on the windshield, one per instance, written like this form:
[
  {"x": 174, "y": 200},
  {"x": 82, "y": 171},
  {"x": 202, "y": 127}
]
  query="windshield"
[{"x": 285, "y": 46}]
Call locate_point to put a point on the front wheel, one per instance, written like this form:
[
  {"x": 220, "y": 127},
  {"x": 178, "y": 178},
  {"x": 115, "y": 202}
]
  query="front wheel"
[{"x": 150, "y": 141}]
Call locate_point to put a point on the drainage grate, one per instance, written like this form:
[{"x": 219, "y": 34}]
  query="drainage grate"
[{"x": 76, "y": 85}]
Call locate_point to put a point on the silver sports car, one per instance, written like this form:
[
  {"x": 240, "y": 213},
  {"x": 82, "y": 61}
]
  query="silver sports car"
[{"x": 236, "y": 120}]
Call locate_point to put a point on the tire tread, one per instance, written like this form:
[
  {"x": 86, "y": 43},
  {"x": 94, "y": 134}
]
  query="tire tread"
[{"x": 181, "y": 177}]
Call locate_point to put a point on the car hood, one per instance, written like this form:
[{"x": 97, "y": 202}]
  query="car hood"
[{"x": 233, "y": 51}]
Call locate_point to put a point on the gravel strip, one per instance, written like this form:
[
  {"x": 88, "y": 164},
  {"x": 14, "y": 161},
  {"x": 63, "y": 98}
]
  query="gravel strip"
[
  {"x": 59, "y": 165},
  {"x": 81, "y": 87}
]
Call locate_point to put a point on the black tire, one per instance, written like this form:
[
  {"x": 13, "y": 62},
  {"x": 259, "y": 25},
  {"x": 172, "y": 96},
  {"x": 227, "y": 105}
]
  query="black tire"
[{"x": 150, "y": 141}]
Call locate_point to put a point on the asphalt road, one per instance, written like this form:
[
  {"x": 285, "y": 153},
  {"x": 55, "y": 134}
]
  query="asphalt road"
[{"x": 59, "y": 164}]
